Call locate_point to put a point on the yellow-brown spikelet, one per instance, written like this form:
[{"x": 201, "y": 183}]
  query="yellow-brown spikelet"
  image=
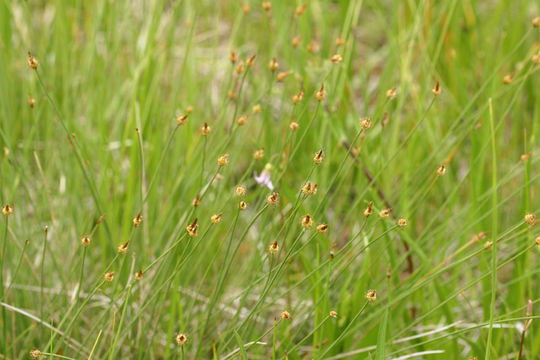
[
  {"x": 31, "y": 102},
  {"x": 318, "y": 158},
  {"x": 536, "y": 21},
  {"x": 108, "y": 277},
  {"x": 223, "y": 160},
  {"x": 322, "y": 228},
  {"x": 296, "y": 41},
  {"x": 139, "y": 275},
  {"x": 246, "y": 9},
  {"x": 273, "y": 65},
  {"x": 320, "y": 94},
  {"x": 391, "y": 93},
  {"x": 537, "y": 240},
  {"x": 312, "y": 47},
  {"x": 240, "y": 191},
  {"x": 35, "y": 354},
  {"x": 298, "y": 97},
  {"x": 267, "y": 6},
  {"x": 307, "y": 221},
  {"x": 206, "y": 129},
  {"x": 369, "y": 209},
  {"x": 189, "y": 109},
  {"x": 371, "y": 295},
  {"x": 33, "y": 63},
  {"x": 243, "y": 205},
  {"x": 181, "y": 339},
  {"x": 239, "y": 68},
  {"x": 300, "y": 9},
  {"x": 530, "y": 218},
  {"x": 231, "y": 94},
  {"x": 281, "y": 76},
  {"x": 385, "y": 119},
  {"x": 216, "y": 218},
  {"x": 365, "y": 123},
  {"x": 480, "y": 236},
  {"x": 251, "y": 60},
  {"x": 332, "y": 251},
  {"x": 122, "y": 248},
  {"x": 383, "y": 214},
  {"x": 272, "y": 199},
  {"x": 507, "y": 79},
  {"x": 309, "y": 188},
  {"x": 487, "y": 245},
  {"x": 258, "y": 154},
  {"x": 285, "y": 315},
  {"x": 441, "y": 170},
  {"x": 256, "y": 109},
  {"x": 85, "y": 240},
  {"x": 273, "y": 248},
  {"x": 437, "y": 89},
  {"x": 293, "y": 126},
  {"x": 333, "y": 314},
  {"x": 242, "y": 120},
  {"x": 336, "y": 58},
  {"x": 7, "y": 210},
  {"x": 402, "y": 222},
  {"x": 536, "y": 58},
  {"x": 193, "y": 228},
  {"x": 137, "y": 220},
  {"x": 181, "y": 120},
  {"x": 340, "y": 41},
  {"x": 196, "y": 202},
  {"x": 233, "y": 57},
  {"x": 524, "y": 157}
]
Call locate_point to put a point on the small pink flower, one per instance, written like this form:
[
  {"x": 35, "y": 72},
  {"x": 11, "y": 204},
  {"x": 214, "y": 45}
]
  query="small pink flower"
[{"x": 263, "y": 179}]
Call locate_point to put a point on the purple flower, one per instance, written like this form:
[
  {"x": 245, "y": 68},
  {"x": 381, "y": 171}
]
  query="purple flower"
[{"x": 263, "y": 179}]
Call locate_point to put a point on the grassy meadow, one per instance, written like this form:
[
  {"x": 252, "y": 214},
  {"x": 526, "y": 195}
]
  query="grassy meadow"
[{"x": 252, "y": 179}]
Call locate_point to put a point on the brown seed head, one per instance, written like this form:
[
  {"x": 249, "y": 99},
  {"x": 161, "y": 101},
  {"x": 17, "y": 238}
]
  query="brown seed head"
[
  {"x": 369, "y": 209},
  {"x": 285, "y": 315},
  {"x": 337, "y": 58},
  {"x": 309, "y": 188},
  {"x": 216, "y": 218},
  {"x": 189, "y": 109},
  {"x": 85, "y": 240},
  {"x": 320, "y": 94},
  {"x": 441, "y": 170},
  {"x": 33, "y": 63},
  {"x": 537, "y": 240},
  {"x": 293, "y": 126},
  {"x": 258, "y": 154},
  {"x": 322, "y": 228},
  {"x": 318, "y": 157},
  {"x": 298, "y": 97},
  {"x": 251, "y": 60},
  {"x": 312, "y": 47},
  {"x": 273, "y": 248},
  {"x": 340, "y": 41},
  {"x": 296, "y": 41},
  {"x": 193, "y": 228},
  {"x": 281, "y": 76},
  {"x": 196, "y": 202},
  {"x": 181, "y": 339},
  {"x": 31, "y": 101},
  {"x": 137, "y": 220},
  {"x": 108, "y": 277},
  {"x": 122, "y": 248},
  {"x": 267, "y": 6},
  {"x": 530, "y": 218},
  {"x": 307, "y": 221},
  {"x": 390, "y": 94},
  {"x": 536, "y": 21},
  {"x": 240, "y": 191},
  {"x": 181, "y": 120},
  {"x": 507, "y": 79},
  {"x": 273, "y": 65},
  {"x": 371, "y": 295},
  {"x": 239, "y": 68},
  {"x": 35, "y": 354},
  {"x": 242, "y": 120},
  {"x": 536, "y": 58},
  {"x": 206, "y": 129},
  {"x": 139, "y": 275},
  {"x": 7, "y": 210},
  {"x": 243, "y": 205},
  {"x": 272, "y": 199},
  {"x": 223, "y": 160},
  {"x": 333, "y": 314},
  {"x": 256, "y": 109},
  {"x": 365, "y": 123},
  {"x": 402, "y": 222},
  {"x": 383, "y": 214},
  {"x": 300, "y": 9},
  {"x": 437, "y": 89},
  {"x": 246, "y": 9},
  {"x": 233, "y": 57}
]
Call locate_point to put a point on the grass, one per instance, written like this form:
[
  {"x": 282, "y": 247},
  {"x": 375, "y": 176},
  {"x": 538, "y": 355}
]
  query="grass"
[{"x": 124, "y": 147}]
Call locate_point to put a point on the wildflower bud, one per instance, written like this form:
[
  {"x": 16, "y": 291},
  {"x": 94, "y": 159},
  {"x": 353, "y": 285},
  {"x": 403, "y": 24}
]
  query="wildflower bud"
[
  {"x": 273, "y": 64},
  {"x": 196, "y": 201},
  {"x": 239, "y": 68},
  {"x": 383, "y": 214},
  {"x": 296, "y": 41},
  {"x": 281, "y": 76},
  {"x": 312, "y": 46},
  {"x": 137, "y": 220},
  {"x": 365, "y": 123},
  {"x": 216, "y": 218},
  {"x": 246, "y": 9},
  {"x": 530, "y": 218},
  {"x": 298, "y": 97},
  {"x": 437, "y": 89},
  {"x": 402, "y": 222},
  {"x": 258, "y": 154},
  {"x": 243, "y": 205},
  {"x": 507, "y": 79},
  {"x": 318, "y": 157},
  {"x": 223, "y": 160},
  {"x": 293, "y": 125},
  {"x": 122, "y": 248},
  {"x": 108, "y": 277},
  {"x": 181, "y": 120},
  {"x": 320, "y": 94},
  {"x": 285, "y": 315},
  {"x": 193, "y": 228},
  {"x": 242, "y": 120},
  {"x": 31, "y": 102},
  {"x": 307, "y": 221},
  {"x": 33, "y": 63},
  {"x": 240, "y": 191},
  {"x": 267, "y": 6},
  {"x": 333, "y": 314},
  {"x": 536, "y": 21},
  {"x": 322, "y": 228},
  {"x": 273, "y": 248},
  {"x": 272, "y": 199},
  {"x": 85, "y": 240},
  {"x": 205, "y": 130},
  {"x": 181, "y": 339},
  {"x": 300, "y": 9},
  {"x": 340, "y": 41},
  {"x": 251, "y": 60},
  {"x": 256, "y": 109},
  {"x": 337, "y": 58},
  {"x": 368, "y": 210},
  {"x": 390, "y": 94},
  {"x": 233, "y": 56},
  {"x": 7, "y": 210},
  {"x": 35, "y": 354},
  {"x": 441, "y": 170},
  {"x": 139, "y": 275},
  {"x": 309, "y": 188},
  {"x": 371, "y": 295},
  {"x": 189, "y": 109}
]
